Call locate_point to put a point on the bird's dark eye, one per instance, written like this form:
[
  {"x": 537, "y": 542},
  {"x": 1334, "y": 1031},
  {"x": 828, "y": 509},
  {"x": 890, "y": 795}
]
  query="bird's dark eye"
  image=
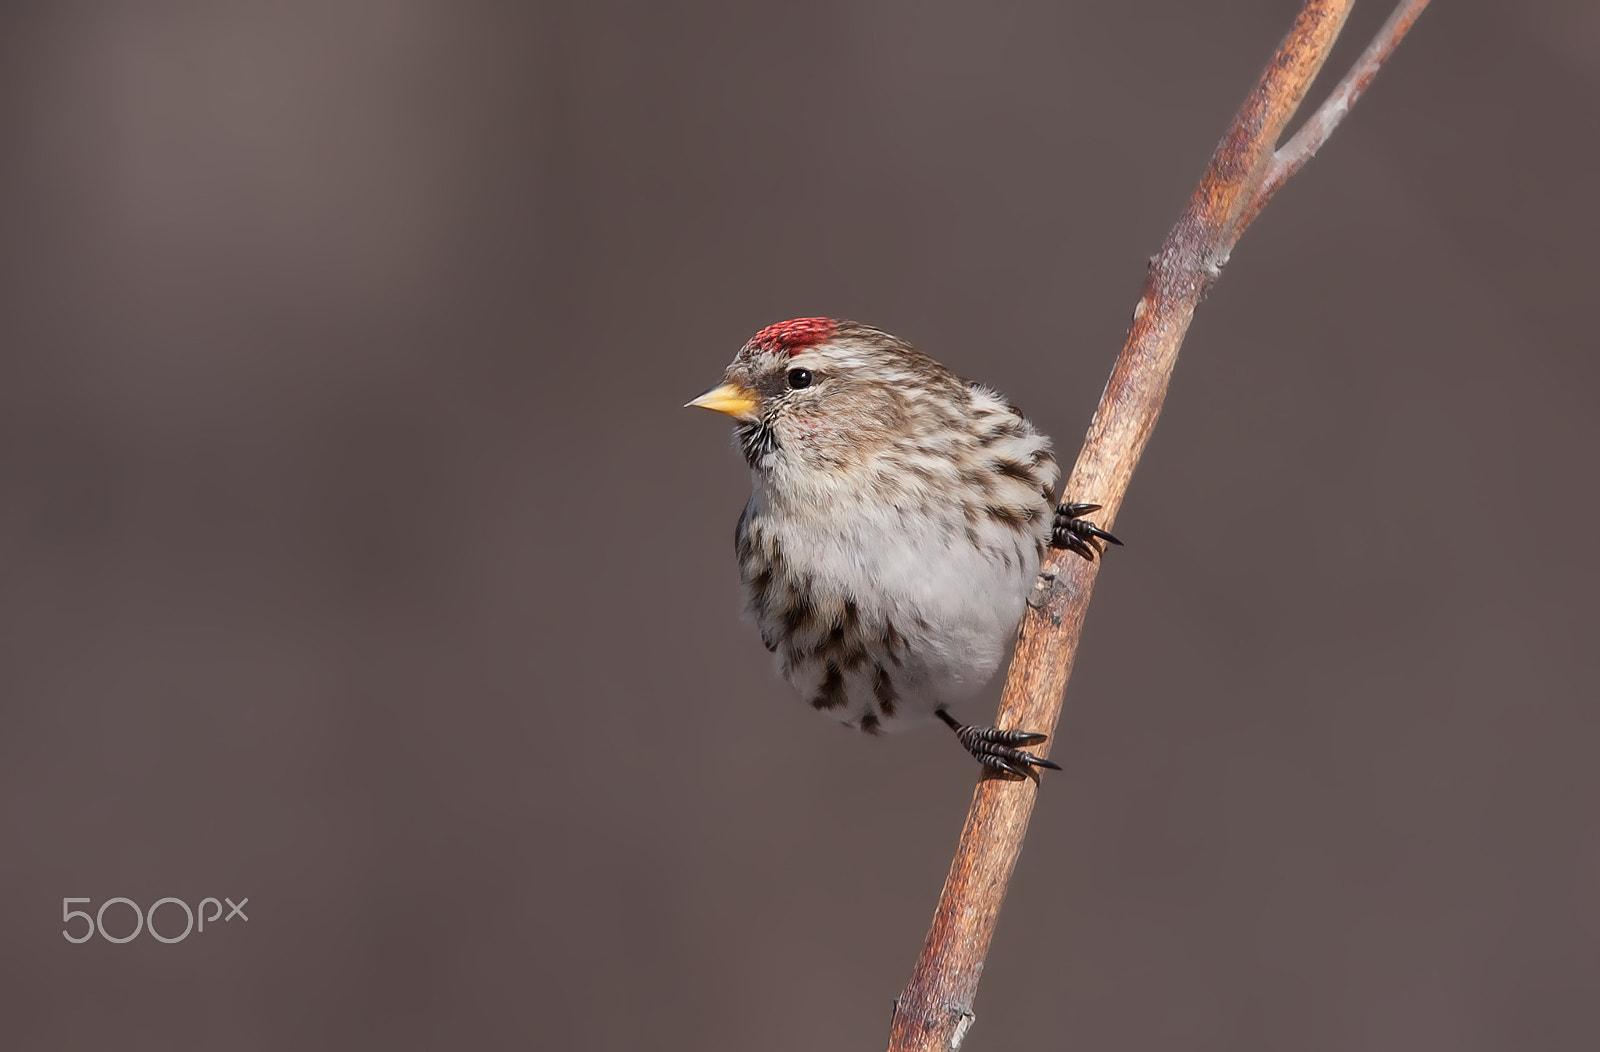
[{"x": 799, "y": 378}]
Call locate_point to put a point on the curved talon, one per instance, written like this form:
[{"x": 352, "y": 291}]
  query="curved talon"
[
  {"x": 996, "y": 736},
  {"x": 1079, "y": 535},
  {"x": 995, "y": 748},
  {"x": 999, "y": 763}
]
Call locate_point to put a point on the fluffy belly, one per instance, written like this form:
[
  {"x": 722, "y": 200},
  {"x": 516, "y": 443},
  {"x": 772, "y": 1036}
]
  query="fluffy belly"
[{"x": 879, "y": 621}]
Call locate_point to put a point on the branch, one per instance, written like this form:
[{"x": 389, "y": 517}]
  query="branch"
[
  {"x": 934, "y": 1011},
  {"x": 1294, "y": 154}
]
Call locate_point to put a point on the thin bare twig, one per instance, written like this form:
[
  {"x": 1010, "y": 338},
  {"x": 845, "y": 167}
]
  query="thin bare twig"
[
  {"x": 934, "y": 1011},
  {"x": 1303, "y": 145}
]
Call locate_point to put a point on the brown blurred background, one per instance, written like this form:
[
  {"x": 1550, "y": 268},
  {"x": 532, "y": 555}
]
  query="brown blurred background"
[{"x": 358, "y": 559}]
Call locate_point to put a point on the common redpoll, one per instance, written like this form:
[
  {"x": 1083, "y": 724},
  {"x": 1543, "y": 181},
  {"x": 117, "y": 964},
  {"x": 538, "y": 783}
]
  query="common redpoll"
[{"x": 898, "y": 521}]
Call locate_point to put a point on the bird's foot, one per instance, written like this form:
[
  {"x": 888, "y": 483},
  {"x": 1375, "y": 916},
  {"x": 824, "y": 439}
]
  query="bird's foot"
[
  {"x": 997, "y": 749},
  {"x": 1078, "y": 534}
]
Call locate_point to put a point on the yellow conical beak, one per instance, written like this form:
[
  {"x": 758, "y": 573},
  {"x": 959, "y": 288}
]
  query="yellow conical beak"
[{"x": 729, "y": 398}]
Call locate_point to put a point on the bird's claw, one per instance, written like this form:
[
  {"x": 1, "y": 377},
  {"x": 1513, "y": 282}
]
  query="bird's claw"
[
  {"x": 997, "y": 749},
  {"x": 1077, "y": 534}
]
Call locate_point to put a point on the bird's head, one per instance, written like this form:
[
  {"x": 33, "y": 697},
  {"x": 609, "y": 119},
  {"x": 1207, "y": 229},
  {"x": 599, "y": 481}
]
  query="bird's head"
[{"x": 826, "y": 393}]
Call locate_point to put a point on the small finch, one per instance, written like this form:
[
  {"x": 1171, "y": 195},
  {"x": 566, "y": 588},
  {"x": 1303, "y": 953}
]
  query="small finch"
[{"x": 898, "y": 520}]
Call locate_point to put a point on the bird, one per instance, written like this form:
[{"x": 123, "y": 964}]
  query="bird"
[{"x": 897, "y": 521}]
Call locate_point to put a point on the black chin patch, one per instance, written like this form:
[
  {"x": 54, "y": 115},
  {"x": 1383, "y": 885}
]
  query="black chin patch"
[{"x": 756, "y": 441}]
